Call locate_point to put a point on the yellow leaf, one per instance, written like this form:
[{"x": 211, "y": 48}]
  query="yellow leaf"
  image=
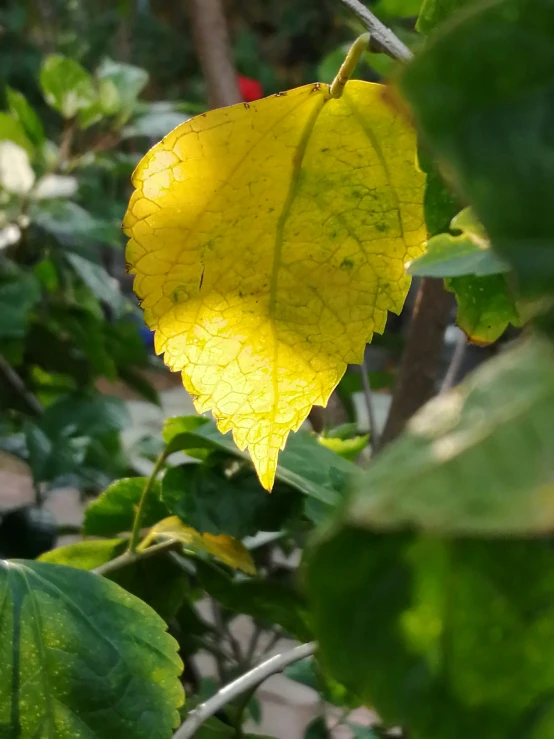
[
  {"x": 268, "y": 242},
  {"x": 224, "y": 548}
]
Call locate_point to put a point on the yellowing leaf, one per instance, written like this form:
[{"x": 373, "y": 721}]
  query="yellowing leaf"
[
  {"x": 268, "y": 242},
  {"x": 224, "y": 548}
]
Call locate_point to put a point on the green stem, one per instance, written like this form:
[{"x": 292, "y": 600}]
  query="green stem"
[
  {"x": 129, "y": 557},
  {"x": 348, "y": 66},
  {"x": 137, "y": 525}
]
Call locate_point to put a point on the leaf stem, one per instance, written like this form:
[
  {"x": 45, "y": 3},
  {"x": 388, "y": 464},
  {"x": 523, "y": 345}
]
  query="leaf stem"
[
  {"x": 129, "y": 557},
  {"x": 348, "y": 66},
  {"x": 379, "y": 32},
  {"x": 245, "y": 682},
  {"x": 137, "y": 525}
]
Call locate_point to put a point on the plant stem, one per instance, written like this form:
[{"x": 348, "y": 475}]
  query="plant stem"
[
  {"x": 213, "y": 46},
  {"x": 247, "y": 681},
  {"x": 137, "y": 525},
  {"x": 18, "y": 385},
  {"x": 129, "y": 557},
  {"x": 374, "y": 438},
  {"x": 455, "y": 363},
  {"x": 348, "y": 66},
  {"x": 379, "y": 32},
  {"x": 417, "y": 376}
]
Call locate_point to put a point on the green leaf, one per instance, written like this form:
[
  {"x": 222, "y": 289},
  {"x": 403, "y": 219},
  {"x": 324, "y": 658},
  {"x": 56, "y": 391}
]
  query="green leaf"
[
  {"x": 155, "y": 580},
  {"x": 67, "y": 87},
  {"x": 178, "y": 432},
  {"x": 213, "y": 728},
  {"x": 447, "y": 638},
  {"x": 120, "y": 85},
  {"x": 82, "y": 658},
  {"x": 476, "y": 460},
  {"x": 70, "y": 224},
  {"x": 25, "y": 115},
  {"x": 304, "y": 464},
  {"x": 206, "y": 499},
  {"x": 349, "y": 449},
  {"x": 482, "y": 111},
  {"x": 99, "y": 282},
  {"x": 455, "y": 256},
  {"x": 85, "y": 555},
  {"x": 154, "y": 125},
  {"x": 267, "y": 601},
  {"x": 19, "y": 294},
  {"x": 114, "y": 510},
  {"x": 434, "y": 12},
  {"x": 317, "y": 729},
  {"x": 486, "y": 307},
  {"x": 308, "y": 672},
  {"x": 12, "y": 130}
]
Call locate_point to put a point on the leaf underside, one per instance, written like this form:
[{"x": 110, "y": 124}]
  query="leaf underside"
[{"x": 268, "y": 242}]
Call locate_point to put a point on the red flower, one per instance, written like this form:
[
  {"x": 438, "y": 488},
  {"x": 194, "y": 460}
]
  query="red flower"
[{"x": 250, "y": 89}]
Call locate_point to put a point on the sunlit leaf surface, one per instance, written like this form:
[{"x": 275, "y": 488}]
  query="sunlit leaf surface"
[{"x": 268, "y": 242}]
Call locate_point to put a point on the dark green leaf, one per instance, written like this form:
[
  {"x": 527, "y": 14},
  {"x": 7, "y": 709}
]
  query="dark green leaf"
[
  {"x": 308, "y": 672},
  {"x": 114, "y": 510},
  {"x": 483, "y": 112},
  {"x": 266, "y": 601},
  {"x": 213, "y": 728},
  {"x": 479, "y": 459},
  {"x": 178, "y": 432},
  {"x": 19, "y": 294},
  {"x": 95, "y": 277},
  {"x": 82, "y": 658},
  {"x": 67, "y": 87},
  {"x": 83, "y": 414},
  {"x": 486, "y": 307},
  {"x": 444, "y": 637},
  {"x": 304, "y": 464},
  {"x": 206, "y": 499},
  {"x": 25, "y": 116},
  {"x": 317, "y": 729},
  {"x": 71, "y": 224}
]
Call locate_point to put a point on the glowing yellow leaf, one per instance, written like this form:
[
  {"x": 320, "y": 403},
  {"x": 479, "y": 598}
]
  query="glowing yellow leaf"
[
  {"x": 224, "y": 548},
  {"x": 268, "y": 242}
]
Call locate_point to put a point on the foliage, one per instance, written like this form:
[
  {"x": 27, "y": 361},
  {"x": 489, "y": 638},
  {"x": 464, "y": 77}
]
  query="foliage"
[{"x": 268, "y": 242}]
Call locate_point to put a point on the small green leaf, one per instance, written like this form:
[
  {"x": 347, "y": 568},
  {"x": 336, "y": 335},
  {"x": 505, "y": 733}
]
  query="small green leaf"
[
  {"x": 178, "y": 432},
  {"x": 120, "y": 85},
  {"x": 25, "y": 115},
  {"x": 455, "y": 256},
  {"x": 85, "y": 555},
  {"x": 12, "y": 130},
  {"x": 82, "y": 658},
  {"x": 477, "y": 460},
  {"x": 114, "y": 510},
  {"x": 67, "y": 87},
  {"x": 486, "y": 307},
  {"x": 347, "y": 448},
  {"x": 206, "y": 499}
]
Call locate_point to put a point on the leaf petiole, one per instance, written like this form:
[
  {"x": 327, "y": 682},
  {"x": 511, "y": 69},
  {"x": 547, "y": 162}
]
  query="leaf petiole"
[
  {"x": 348, "y": 66},
  {"x": 135, "y": 534}
]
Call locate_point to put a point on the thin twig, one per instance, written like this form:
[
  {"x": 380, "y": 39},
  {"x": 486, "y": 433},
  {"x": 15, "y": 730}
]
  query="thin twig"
[
  {"x": 455, "y": 363},
  {"x": 137, "y": 525},
  {"x": 379, "y": 32},
  {"x": 253, "y": 643},
  {"x": 129, "y": 557},
  {"x": 18, "y": 385},
  {"x": 254, "y": 677},
  {"x": 374, "y": 438}
]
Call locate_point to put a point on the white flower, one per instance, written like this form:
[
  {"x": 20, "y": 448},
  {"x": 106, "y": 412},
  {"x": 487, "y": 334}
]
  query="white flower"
[
  {"x": 16, "y": 173},
  {"x": 55, "y": 186}
]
